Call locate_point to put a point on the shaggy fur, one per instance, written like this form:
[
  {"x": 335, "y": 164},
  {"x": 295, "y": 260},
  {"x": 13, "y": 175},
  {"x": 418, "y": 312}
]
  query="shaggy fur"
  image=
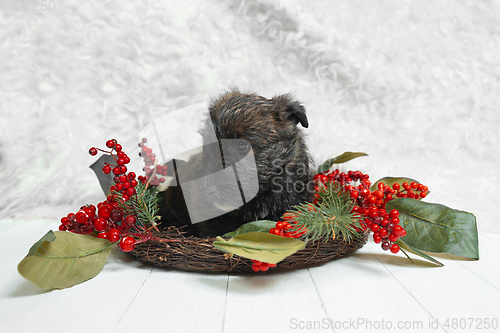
[
  {"x": 243, "y": 124},
  {"x": 415, "y": 84}
]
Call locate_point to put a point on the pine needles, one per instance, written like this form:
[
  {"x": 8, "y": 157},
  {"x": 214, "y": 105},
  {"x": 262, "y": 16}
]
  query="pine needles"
[
  {"x": 143, "y": 205},
  {"x": 329, "y": 218}
]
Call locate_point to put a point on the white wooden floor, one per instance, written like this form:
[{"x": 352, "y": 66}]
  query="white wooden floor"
[{"x": 369, "y": 291}]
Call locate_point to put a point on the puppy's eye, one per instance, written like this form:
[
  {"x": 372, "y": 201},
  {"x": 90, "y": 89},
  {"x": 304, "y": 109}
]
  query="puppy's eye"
[{"x": 242, "y": 146}]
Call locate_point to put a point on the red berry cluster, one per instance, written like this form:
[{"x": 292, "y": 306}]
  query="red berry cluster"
[
  {"x": 125, "y": 183},
  {"x": 149, "y": 161},
  {"x": 371, "y": 205},
  {"x": 106, "y": 221},
  {"x": 261, "y": 266},
  {"x": 282, "y": 227}
]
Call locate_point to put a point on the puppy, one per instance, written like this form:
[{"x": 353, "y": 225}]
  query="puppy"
[{"x": 254, "y": 165}]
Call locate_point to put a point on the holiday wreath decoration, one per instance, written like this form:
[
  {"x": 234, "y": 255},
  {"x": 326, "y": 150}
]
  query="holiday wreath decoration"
[{"x": 346, "y": 209}]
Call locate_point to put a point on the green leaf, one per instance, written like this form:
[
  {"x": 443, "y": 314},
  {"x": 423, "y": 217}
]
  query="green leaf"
[
  {"x": 347, "y": 156},
  {"x": 255, "y": 226},
  {"x": 49, "y": 237},
  {"x": 437, "y": 228},
  {"x": 62, "y": 259},
  {"x": 260, "y": 246},
  {"x": 403, "y": 245}
]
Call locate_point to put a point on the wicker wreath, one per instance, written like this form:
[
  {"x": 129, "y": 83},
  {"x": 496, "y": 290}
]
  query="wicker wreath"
[{"x": 199, "y": 254}]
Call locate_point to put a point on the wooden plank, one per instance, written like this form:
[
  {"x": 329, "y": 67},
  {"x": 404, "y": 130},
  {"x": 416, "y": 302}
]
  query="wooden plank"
[
  {"x": 17, "y": 239},
  {"x": 488, "y": 265},
  {"x": 96, "y": 305},
  {"x": 173, "y": 301},
  {"x": 360, "y": 294},
  {"x": 273, "y": 302},
  {"x": 449, "y": 293}
]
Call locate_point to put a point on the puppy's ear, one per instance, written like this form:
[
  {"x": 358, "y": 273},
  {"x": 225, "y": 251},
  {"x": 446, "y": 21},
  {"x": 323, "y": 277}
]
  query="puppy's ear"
[{"x": 291, "y": 110}]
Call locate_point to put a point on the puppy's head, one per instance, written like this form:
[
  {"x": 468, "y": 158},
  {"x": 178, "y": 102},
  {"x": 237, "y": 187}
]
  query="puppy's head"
[{"x": 255, "y": 137}]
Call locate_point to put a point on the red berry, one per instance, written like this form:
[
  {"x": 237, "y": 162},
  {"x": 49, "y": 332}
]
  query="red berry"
[
  {"x": 122, "y": 179},
  {"x": 127, "y": 243},
  {"x": 255, "y": 268},
  {"x": 89, "y": 211},
  {"x": 100, "y": 224},
  {"x": 393, "y": 237},
  {"x": 123, "y": 169},
  {"x": 129, "y": 219},
  {"x": 133, "y": 182},
  {"x": 110, "y": 143},
  {"x": 381, "y": 186},
  {"x": 423, "y": 194},
  {"x": 113, "y": 235},
  {"x": 62, "y": 228},
  {"x": 116, "y": 216},
  {"x": 65, "y": 221},
  {"x": 376, "y": 238},
  {"x": 383, "y": 232},
  {"x": 119, "y": 187},
  {"x": 375, "y": 227},
  {"x": 365, "y": 192},
  {"x": 131, "y": 175},
  {"x": 396, "y": 186},
  {"x": 118, "y": 147},
  {"x": 130, "y": 191},
  {"x": 280, "y": 225},
  {"x": 81, "y": 217},
  {"x": 397, "y": 229},
  {"x": 106, "y": 169},
  {"x": 93, "y": 151},
  {"x": 394, "y": 220},
  {"x": 104, "y": 211},
  {"x": 103, "y": 235},
  {"x": 116, "y": 171},
  {"x": 386, "y": 246},
  {"x": 394, "y": 248},
  {"x": 394, "y": 213},
  {"x": 264, "y": 267},
  {"x": 414, "y": 185},
  {"x": 354, "y": 194}
]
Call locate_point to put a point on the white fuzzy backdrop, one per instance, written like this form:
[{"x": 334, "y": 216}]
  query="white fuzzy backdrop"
[{"x": 415, "y": 84}]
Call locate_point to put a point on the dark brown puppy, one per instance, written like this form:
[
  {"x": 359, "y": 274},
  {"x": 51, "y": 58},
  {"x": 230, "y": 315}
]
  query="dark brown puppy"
[{"x": 257, "y": 156}]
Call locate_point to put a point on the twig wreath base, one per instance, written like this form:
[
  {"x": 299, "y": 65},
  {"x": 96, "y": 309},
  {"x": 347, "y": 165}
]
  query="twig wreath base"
[{"x": 199, "y": 254}]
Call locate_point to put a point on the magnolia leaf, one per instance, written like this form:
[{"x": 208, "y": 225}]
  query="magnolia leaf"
[
  {"x": 402, "y": 244},
  {"x": 389, "y": 181},
  {"x": 49, "y": 237},
  {"x": 255, "y": 226},
  {"x": 347, "y": 156},
  {"x": 62, "y": 259},
  {"x": 437, "y": 228},
  {"x": 105, "y": 180},
  {"x": 260, "y": 246}
]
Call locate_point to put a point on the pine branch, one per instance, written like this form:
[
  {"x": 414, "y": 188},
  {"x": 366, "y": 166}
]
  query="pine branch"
[
  {"x": 330, "y": 218},
  {"x": 143, "y": 204}
]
